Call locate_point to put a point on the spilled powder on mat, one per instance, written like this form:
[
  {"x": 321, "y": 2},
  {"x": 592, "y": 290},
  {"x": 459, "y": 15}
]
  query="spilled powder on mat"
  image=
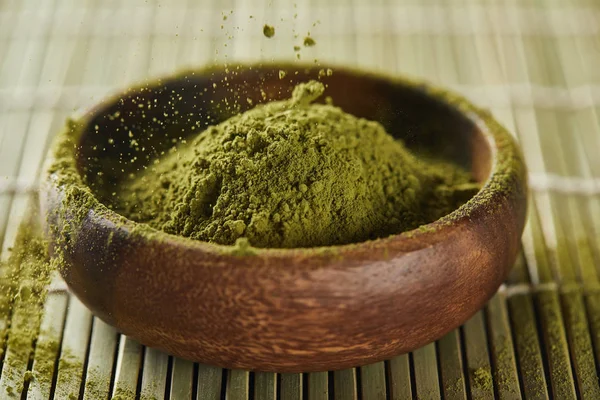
[
  {"x": 482, "y": 378},
  {"x": 24, "y": 278}
]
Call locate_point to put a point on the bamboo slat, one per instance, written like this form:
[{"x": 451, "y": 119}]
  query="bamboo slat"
[
  {"x": 209, "y": 382},
  {"x": 528, "y": 349},
  {"x": 427, "y": 384},
  {"x": 344, "y": 384},
  {"x": 398, "y": 377},
  {"x": 501, "y": 350},
  {"x": 481, "y": 382},
  {"x": 51, "y": 330},
  {"x": 265, "y": 386},
  {"x": 73, "y": 353},
  {"x": 182, "y": 379},
  {"x": 127, "y": 369},
  {"x": 103, "y": 346},
  {"x": 154, "y": 375},
  {"x": 372, "y": 378},
  {"x": 291, "y": 387},
  {"x": 318, "y": 386},
  {"x": 238, "y": 385}
]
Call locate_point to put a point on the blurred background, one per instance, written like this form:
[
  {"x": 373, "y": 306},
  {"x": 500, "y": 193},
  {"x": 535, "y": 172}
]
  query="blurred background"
[{"x": 534, "y": 64}]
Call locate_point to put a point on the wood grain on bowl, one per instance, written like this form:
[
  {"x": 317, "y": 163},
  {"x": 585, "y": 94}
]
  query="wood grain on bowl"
[{"x": 288, "y": 309}]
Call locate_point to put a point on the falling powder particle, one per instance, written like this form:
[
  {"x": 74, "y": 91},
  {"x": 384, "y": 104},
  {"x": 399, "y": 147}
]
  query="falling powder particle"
[
  {"x": 296, "y": 48},
  {"x": 282, "y": 74},
  {"x": 309, "y": 42},
  {"x": 268, "y": 31}
]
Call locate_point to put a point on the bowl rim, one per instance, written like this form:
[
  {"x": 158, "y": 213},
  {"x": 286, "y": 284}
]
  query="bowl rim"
[{"x": 506, "y": 165}]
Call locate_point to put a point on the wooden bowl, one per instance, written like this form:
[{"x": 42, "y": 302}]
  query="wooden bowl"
[{"x": 284, "y": 310}]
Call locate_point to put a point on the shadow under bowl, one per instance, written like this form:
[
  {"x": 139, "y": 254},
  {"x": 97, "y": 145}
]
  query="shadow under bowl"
[{"x": 284, "y": 310}]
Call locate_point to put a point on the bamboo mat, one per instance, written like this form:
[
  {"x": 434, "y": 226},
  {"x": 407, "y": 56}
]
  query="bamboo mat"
[{"x": 535, "y": 64}]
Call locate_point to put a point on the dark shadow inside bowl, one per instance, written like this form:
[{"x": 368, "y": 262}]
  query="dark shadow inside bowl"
[{"x": 132, "y": 130}]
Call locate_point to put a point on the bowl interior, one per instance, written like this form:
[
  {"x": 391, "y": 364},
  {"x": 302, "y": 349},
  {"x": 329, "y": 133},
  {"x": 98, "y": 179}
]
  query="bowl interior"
[{"x": 129, "y": 131}]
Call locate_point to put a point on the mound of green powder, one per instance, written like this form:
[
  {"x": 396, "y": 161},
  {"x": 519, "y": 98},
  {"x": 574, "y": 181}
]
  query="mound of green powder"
[{"x": 292, "y": 174}]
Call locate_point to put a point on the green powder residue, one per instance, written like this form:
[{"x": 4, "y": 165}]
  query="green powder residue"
[
  {"x": 268, "y": 31},
  {"x": 97, "y": 383},
  {"x": 23, "y": 281},
  {"x": 28, "y": 376},
  {"x": 46, "y": 353},
  {"x": 309, "y": 42},
  {"x": 293, "y": 174},
  {"x": 482, "y": 379},
  {"x": 580, "y": 343},
  {"x": 123, "y": 394},
  {"x": 556, "y": 345},
  {"x": 527, "y": 346},
  {"x": 458, "y": 388},
  {"x": 592, "y": 302},
  {"x": 504, "y": 364}
]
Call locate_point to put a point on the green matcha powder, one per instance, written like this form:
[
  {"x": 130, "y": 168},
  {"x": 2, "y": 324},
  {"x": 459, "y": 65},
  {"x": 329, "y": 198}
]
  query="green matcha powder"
[{"x": 293, "y": 174}]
